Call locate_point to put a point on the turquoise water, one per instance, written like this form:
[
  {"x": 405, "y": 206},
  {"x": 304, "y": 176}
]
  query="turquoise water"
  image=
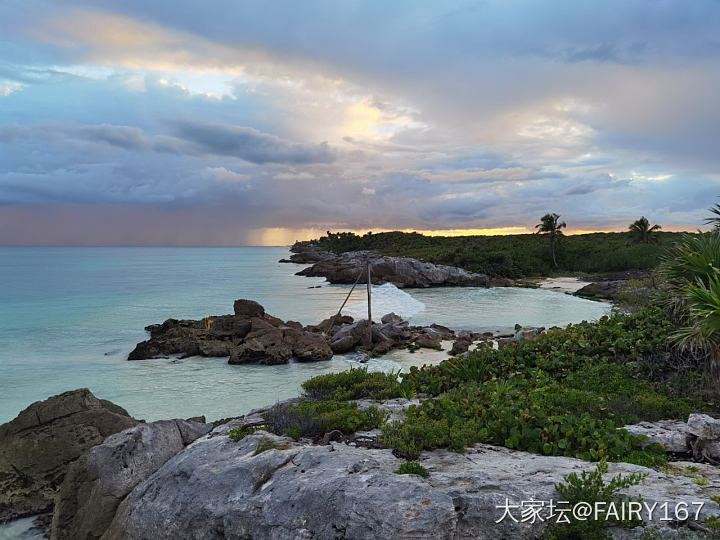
[{"x": 70, "y": 316}]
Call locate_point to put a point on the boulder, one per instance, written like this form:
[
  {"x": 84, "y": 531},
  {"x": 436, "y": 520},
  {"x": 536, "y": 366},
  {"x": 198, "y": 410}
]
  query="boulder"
[
  {"x": 218, "y": 488},
  {"x": 460, "y": 346},
  {"x": 672, "y": 434},
  {"x": 263, "y": 347},
  {"x": 37, "y": 447},
  {"x": 428, "y": 341},
  {"x": 247, "y": 309},
  {"x": 607, "y": 290},
  {"x": 97, "y": 482},
  {"x": 704, "y": 427},
  {"x": 229, "y": 326},
  {"x": 308, "y": 347},
  {"x": 391, "y": 318}
]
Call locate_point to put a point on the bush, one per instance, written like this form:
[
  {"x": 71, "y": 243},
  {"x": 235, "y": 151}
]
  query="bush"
[
  {"x": 239, "y": 433},
  {"x": 313, "y": 419},
  {"x": 591, "y": 488},
  {"x": 413, "y": 467},
  {"x": 353, "y": 384},
  {"x": 565, "y": 393}
]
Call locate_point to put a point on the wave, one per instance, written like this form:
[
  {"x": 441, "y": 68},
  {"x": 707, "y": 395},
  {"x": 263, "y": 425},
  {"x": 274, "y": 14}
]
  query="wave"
[{"x": 385, "y": 299}]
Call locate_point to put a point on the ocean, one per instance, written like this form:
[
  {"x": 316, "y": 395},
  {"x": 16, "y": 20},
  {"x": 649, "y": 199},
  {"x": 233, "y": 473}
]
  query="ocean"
[{"x": 69, "y": 317}]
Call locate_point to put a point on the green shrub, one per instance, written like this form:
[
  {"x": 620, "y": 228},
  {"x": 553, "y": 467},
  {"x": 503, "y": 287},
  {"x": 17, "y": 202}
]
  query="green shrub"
[
  {"x": 313, "y": 419},
  {"x": 413, "y": 467},
  {"x": 591, "y": 488},
  {"x": 355, "y": 383},
  {"x": 239, "y": 433}
]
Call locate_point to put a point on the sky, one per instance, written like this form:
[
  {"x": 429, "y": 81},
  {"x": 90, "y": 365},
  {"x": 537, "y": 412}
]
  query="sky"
[{"x": 252, "y": 122}]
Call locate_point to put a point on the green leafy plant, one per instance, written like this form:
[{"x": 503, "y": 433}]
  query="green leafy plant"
[
  {"x": 355, "y": 383},
  {"x": 413, "y": 467},
  {"x": 239, "y": 433},
  {"x": 590, "y": 487}
]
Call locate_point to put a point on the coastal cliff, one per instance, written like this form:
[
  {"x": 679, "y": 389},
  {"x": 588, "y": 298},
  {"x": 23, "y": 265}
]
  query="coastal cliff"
[{"x": 403, "y": 272}]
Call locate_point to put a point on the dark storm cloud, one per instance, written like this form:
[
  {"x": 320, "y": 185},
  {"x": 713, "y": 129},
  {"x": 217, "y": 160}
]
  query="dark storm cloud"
[{"x": 250, "y": 144}]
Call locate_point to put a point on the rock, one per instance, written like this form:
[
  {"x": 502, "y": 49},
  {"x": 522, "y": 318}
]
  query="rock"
[
  {"x": 460, "y": 346},
  {"x": 336, "y": 321},
  {"x": 672, "y": 434},
  {"x": 97, "y": 482},
  {"x": 218, "y": 488},
  {"x": 383, "y": 347},
  {"x": 308, "y": 347},
  {"x": 400, "y": 271},
  {"x": 601, "y": 289},
  {"x": 250, "y": 335},
  {"x": 247, "y": 309},
  {"x": 428, "y": 341},
  {"x": 391, "y": 318},
  {"x": 215, "y": 348},
  {"x": 37, "y": 447},
  {"x": 229, "y": 326},
  {"x": 704, "y": 427},
  {"x": 263, "y": 347},
  {"x": 343, "y": 344}
]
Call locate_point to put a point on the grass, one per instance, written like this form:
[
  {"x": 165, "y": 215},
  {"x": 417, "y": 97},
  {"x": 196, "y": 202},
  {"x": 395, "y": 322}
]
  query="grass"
[{"x": 413, "y": 467}]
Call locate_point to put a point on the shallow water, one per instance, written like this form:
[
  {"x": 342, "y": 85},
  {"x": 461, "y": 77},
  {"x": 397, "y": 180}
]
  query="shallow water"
[{"x": 70, "y": 316}]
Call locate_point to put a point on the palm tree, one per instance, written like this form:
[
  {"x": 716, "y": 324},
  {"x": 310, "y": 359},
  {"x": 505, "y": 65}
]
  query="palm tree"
[
  {"x": 691, "y": 272},
  {"x": 550, "y": 225},
  {"x": 643, "y": 232},
  {"x": 714, "y": 220}
]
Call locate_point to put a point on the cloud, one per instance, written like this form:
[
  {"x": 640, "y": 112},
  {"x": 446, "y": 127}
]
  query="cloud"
[
  {"x": 250, "y": 144},
  {"x": 416, "y": 115}
]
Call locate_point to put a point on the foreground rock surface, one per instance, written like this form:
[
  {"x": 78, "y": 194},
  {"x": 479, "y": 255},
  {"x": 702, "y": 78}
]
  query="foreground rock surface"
[
  {"x": 38, "y": 446},
  {"x": 97, "y": 482},
  {"x": 265, "y": 487}
]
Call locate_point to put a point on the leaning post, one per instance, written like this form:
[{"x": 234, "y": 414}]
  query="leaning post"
[{"x": 369, "y": 298}]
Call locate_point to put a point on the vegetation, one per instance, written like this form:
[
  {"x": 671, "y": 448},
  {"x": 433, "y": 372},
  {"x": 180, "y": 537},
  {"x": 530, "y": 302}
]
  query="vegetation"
[
  {"x": 312, "y": 419},
  {"x": 691, "y": 292},
  {"x": 513, "y": 256},
  {"x": 413, "y": 467},
  {"x": 353, "y": 384},
  {"x": 714, "y": 218},
  {"x": 642, "y": 231},
  {"x": 550, "y": 226},
  {"x": 591, "y": 488},
  {"x": 239, "y": 433}
]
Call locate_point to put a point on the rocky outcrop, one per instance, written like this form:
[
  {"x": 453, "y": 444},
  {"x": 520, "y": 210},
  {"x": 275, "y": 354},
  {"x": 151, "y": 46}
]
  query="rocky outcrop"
[
  {"x": 97, "y": 482},
  {"x": 266, "y": 486},
  {"x": 248, "y": 336},
  {"x": 699, "y": 436},
  {"x": 400, "y": 271},
  {"x": 38, "y": 446},
  {"x": 610, "y": 286}
]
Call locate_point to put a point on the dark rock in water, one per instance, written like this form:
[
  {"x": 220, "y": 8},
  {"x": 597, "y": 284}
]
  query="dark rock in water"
[
  {"x": 248, "y": 336},
  {"x": 391, "y": 318},
  {"x": 37, "y": 447},
  {"x": 97, "y": 482},
  {"x": 247, "y": 309},
  {"x": 601, "y": 289},
  {"x": 400, "y": 271}
]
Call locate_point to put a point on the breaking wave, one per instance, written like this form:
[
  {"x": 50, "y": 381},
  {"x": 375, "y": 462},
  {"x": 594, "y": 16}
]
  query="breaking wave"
[{"x": 385, "y": 299}]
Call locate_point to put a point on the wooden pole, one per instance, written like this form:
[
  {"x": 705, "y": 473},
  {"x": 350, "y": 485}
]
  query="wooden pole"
[{"x": 369, "y": 295}]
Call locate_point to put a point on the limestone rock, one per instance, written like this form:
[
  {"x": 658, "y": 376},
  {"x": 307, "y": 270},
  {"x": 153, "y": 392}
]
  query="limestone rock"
[
  {"x": 37, "y": 447},
  {"x": 97, "y": 482},
  {"x": 672, "y": 434},
  {"x": 704, "y": 427},
  {"x": 218, "y": 488}
]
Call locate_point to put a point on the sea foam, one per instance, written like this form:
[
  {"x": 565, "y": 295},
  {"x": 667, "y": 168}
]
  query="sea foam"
[{"x": 385, "y": 299}]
